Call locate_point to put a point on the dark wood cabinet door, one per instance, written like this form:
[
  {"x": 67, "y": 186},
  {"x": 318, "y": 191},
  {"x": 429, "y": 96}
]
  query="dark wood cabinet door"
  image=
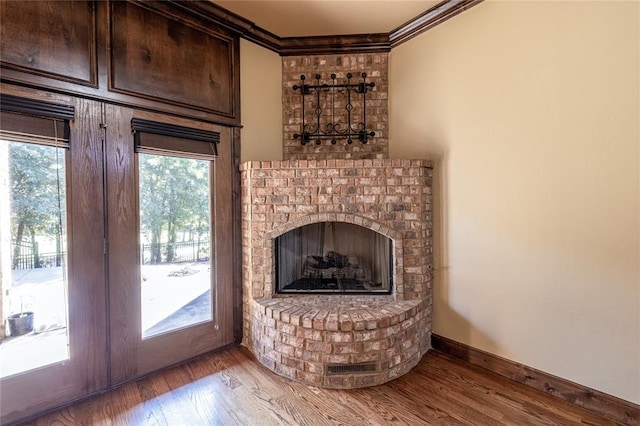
[
  {"x": 156, "y": 57},
  {"x": 50, "y": 38}
]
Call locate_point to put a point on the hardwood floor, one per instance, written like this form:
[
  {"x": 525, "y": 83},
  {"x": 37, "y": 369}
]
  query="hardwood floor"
[{"x": 231, "y": 388}]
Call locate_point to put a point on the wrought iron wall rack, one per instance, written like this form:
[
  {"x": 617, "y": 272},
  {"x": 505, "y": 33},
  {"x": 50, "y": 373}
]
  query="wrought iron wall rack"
[{"x": 333, "y": 94}]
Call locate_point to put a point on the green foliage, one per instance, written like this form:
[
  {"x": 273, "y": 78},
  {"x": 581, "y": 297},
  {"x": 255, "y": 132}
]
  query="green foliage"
[
  {"x": 34, "y": 171},
  {"x": 174, "y": 198},
  {"x": 37, "y": 192}
]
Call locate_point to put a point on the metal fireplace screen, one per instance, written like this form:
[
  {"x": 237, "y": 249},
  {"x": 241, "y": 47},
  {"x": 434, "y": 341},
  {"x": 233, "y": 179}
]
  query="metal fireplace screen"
[{"x": 333, "y": 257}]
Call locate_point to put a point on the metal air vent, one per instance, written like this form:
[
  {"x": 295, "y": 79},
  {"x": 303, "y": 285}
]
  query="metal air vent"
[{"x": 363, "y": 367}]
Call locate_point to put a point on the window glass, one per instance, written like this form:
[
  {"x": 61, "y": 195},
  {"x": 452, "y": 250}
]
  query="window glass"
[
  {"x": 34, "y": 252},
  {"x": 175, "y": 241}
]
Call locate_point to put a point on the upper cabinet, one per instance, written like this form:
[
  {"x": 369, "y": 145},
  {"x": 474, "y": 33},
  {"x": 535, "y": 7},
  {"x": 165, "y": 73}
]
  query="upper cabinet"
[
  {"x": 154, "y": 55},
  {"x": 55, "y": 39},
  {"x": 160, "y": 58}
]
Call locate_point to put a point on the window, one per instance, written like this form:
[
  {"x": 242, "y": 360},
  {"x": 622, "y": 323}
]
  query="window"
[
  {"x": 174, "y": 199},
  {"x": 34, "y": 142}
]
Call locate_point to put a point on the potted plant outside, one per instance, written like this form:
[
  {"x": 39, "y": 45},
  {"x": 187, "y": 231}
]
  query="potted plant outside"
[{"x": 20, "y": 323}]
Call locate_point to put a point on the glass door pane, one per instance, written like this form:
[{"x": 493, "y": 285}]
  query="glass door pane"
[
  {"x": 176, "y": 273},
  {"x": 34, "y": 249}
]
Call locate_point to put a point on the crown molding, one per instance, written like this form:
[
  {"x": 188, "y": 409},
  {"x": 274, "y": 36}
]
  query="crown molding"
[
  {"x": 245, "y": 28},
  {"x": 429, "y": 19},
  {"x": 325, "y": 45}
]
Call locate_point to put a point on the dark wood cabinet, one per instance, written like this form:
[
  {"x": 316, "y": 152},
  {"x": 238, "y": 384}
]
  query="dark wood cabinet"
[
  {"x": 173, "y": 63},
  {"x": 154, "y": 55},
  {"x": 50, "y": 38}
]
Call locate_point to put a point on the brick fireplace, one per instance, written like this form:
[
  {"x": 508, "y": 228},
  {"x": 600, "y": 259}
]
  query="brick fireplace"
[{"x": 338, "y": 341}]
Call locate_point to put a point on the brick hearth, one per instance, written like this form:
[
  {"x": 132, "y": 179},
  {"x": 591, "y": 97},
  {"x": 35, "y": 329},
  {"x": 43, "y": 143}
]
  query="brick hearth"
[{"x": 327, "y": 340}]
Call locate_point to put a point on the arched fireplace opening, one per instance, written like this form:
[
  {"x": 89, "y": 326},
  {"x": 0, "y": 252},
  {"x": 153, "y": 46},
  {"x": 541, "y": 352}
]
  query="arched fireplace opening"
[{"x": 333, "y": 257}]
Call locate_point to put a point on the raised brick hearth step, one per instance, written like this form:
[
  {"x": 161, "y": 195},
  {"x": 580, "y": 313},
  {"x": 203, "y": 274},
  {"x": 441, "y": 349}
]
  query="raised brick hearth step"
[{"x": 340, "y": 341}]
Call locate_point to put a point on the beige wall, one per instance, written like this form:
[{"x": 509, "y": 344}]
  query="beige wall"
[
  {"x": 260, "y": 103},
  {"x": 531, "y": 109}
]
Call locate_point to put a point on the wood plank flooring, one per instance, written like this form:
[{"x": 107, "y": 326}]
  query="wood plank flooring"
[{"x": 230, "y": 387}]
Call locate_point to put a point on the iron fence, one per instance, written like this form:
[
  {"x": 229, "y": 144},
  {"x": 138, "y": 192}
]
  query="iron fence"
[
  {"x": 26, "y": 256},
  {"x": 178, "y": 252}
]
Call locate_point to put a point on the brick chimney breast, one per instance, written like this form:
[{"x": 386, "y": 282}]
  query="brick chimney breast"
[{"x": 375, "y": 65}]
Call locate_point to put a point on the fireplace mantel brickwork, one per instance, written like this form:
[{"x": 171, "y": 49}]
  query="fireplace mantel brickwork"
[{"x": 338, "y": 341}]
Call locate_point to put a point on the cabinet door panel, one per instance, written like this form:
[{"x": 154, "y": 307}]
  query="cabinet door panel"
[
  {"x": 169, "y": 61},
  {"x": 50, "y": 38}
]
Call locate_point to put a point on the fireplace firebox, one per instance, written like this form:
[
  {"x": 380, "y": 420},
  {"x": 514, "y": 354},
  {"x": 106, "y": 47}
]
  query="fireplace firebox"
[{"x": 333, "y": 257}]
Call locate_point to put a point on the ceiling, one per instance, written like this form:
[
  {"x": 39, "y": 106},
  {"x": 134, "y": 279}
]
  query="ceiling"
[{"x": 301, "y": 18}]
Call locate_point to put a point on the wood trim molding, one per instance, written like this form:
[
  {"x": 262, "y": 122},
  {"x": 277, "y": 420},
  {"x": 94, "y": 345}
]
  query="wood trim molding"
[
  {"x": 598, "y": 402},
  {"x": 243, "y": 27},
  {"x": 323, "y": 45},
  {"x": 238, "y": 322},
  {"x": 28, "y": 106},
  {"x": 173, "y": 130},
  {"x": 331, "y": 44},
  {"x": 429, "y": 19}
]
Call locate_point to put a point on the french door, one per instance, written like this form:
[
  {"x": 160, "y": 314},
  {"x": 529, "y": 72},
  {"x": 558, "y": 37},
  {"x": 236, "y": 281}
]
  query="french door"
[
  {"x": 170, "y": 241},
  {"x": 74, "y": 280},
  {"x": 148, "y": 268}
]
